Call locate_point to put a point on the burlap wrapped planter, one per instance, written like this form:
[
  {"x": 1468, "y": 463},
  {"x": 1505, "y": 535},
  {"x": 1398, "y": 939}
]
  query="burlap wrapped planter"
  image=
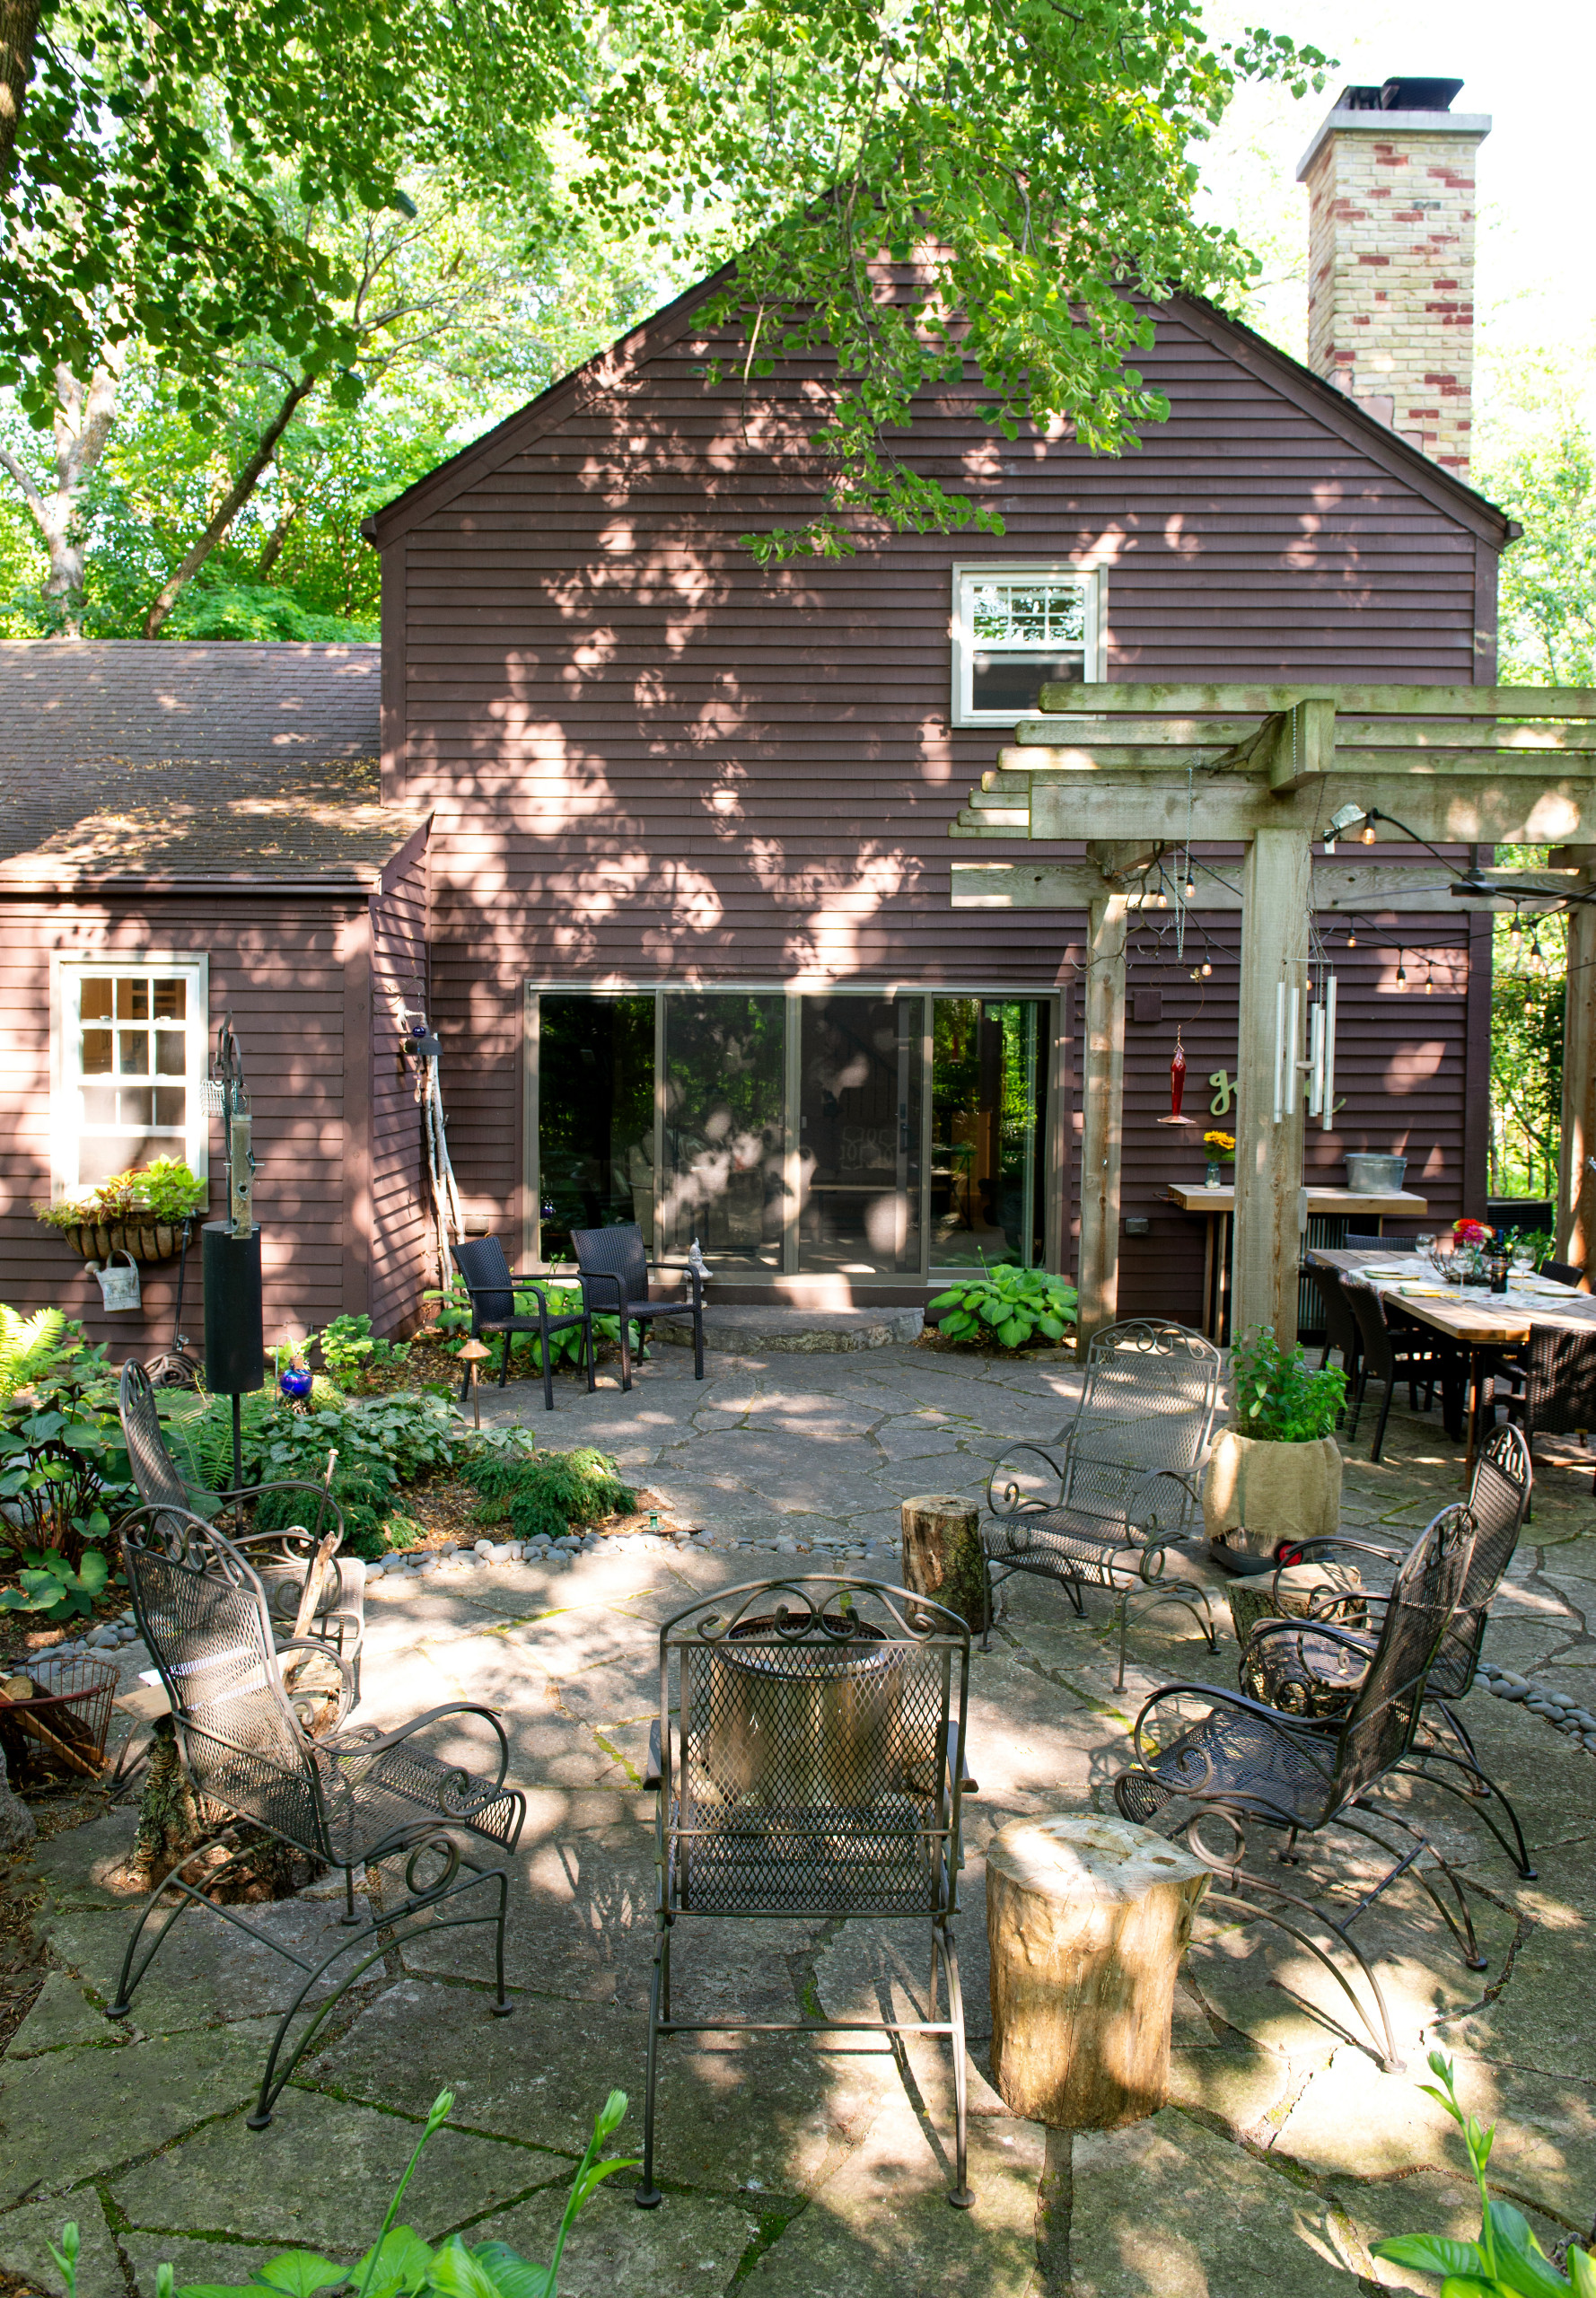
[{"x": 1276, "y": 1492}]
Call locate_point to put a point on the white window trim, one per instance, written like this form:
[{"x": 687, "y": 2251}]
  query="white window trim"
[
  {"x": 1088, "y": 572},
  {"x": 65, "y": 972}
]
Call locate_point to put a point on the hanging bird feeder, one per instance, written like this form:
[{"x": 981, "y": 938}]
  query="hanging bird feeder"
[{"x": 1177, "y": 1086}]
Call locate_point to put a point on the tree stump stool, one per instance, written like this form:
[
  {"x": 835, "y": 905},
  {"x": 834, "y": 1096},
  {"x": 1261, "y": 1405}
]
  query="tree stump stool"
[
  {"x": 1087, "y": 1919},
  {"x": 942, "y": 1556}
]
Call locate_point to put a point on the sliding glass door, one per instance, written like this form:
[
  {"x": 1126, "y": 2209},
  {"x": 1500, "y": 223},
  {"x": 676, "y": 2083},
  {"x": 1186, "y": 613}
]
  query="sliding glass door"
[{"x": 852, "y": 1133}]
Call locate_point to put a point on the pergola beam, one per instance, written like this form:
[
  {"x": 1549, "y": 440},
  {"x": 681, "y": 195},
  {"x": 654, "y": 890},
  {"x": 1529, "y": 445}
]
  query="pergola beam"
[
  {"x": 1374, "y": 890},
  {"x": 1503, "y": 807},
  {"x": 1355, "y": 701}
]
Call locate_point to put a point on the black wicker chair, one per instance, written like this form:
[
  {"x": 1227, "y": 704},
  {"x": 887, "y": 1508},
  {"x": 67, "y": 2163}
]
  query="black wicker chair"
[
  {"x": 493, "y": 1288},
  {"x": 349, "y": 1799},
  {"x": 808, "y": 1760},
  {"x": 1098, "y": 1506},
  {"x": 1340, "y": 1326},
  {"x": 1553, "y": 1375},
  {"x": 1402, "y": 1350},
  {"x": 614, "y": 1275},
  {"x": 281, "y": 1559},
  {"x": 1292, "y": 1667},
  {"x": 1563, "y": 1272},
  {"x": 1372, "y": 1245},
  {"x": 1205, "y": 1756}
]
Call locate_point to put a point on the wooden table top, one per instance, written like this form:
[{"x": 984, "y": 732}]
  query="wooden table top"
[
  {"x": 1193, "y": 1197},
  {"x": 1477, "y": 1318}
]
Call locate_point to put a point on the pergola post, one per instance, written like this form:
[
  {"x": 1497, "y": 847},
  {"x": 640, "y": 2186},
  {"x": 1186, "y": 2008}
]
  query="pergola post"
[
  {"x": 1275, "y": 906},
  {"x": 1576, "y": 1183},
  {"x": 1103, "y": 1101}
]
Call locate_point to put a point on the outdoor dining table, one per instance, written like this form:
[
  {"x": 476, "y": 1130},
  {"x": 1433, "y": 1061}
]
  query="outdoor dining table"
[{"x": 1479, "y": 1320}]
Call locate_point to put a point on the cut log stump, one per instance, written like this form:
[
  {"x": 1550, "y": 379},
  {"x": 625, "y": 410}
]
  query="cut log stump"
[
  {"x": 942, "y": 1556},
  {"x": 1087, "y": 1919}
]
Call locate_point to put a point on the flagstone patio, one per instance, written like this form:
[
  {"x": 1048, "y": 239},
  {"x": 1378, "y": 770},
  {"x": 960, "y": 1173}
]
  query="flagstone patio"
[{"x": 797, "y": 2167}]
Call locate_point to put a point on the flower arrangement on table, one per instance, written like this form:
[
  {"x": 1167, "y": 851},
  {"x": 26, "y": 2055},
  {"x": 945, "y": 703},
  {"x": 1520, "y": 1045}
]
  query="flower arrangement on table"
[
  {"x": 1473, "y": 1233},
  {"x": 1222, "y": 1151}
]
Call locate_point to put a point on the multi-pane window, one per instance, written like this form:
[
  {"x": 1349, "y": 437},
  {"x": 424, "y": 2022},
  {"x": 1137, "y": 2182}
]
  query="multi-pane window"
[
  {"x": 1016, "y": 628},
  {"x": 133, "y": 1044}
]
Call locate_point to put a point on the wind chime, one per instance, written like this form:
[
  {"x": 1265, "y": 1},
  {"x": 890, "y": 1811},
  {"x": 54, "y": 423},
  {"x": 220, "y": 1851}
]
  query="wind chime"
[{"x": 1318, "y": 1066}]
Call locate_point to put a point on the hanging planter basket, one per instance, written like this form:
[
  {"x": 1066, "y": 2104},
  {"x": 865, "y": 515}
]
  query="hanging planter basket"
[{"x": 146, "y": 1241}]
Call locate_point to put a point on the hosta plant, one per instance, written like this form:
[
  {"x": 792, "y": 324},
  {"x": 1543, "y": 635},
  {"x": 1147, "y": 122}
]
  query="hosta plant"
[
  {"x": 64, "y": 1472},
  {"x": 399, "y": 2263},
  {"x": 1013, "y": 1307},
  {"x": 1507, "y": 2261}
]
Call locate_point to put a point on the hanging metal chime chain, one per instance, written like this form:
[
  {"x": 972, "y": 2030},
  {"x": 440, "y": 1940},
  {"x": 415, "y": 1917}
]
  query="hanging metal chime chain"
[{"x": 229, "y": 1098}]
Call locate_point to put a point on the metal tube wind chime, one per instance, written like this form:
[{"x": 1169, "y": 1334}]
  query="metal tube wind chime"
[{"x": 1318, "y": 1064}]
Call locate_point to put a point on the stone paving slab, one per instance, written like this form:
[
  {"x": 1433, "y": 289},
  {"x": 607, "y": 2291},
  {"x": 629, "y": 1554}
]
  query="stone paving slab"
[{"x": 796, "y": 2165}]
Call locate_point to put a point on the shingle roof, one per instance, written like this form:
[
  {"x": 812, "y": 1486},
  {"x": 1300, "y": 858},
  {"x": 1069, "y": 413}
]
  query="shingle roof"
[{"x": 252, "y": 763}]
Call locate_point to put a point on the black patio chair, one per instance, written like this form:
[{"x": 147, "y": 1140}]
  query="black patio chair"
[
  {"x": 1553, "y": 1377},
  {"x": 1098, "y": 1506},
  {"x": 1205, "y": 1756},
  {"x": 1379, "y": 1244},
  {"x": 1399, "y": 1349},
  {"x": 493, "y": 1288},
  {"x": 808, "y": 1759},
  {"x": 349, "y": 1799},
  {"x": 1340, "y": 1326},
  {"x": 1565, "y": 1272},
  {"x": 1290, "y": 1666},
  {"x": 613, "y": 1273},
  {"x": 281, "y": 1559}
]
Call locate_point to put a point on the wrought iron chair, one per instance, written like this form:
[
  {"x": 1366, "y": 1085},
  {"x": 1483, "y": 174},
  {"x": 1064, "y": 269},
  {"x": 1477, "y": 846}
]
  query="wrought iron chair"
[
  {"x": 614, "y": 1269},
  {"x": 281, "y": 1559},
  {"x": 809, "y": 1760},
  {"x": 1290, "y": 1665},
  {"x": 1098, "y": 1506},
  {"x": 1401, "y": 1351},
  {"x": 492, "y": 1286},
  {"x": 1204, "y": 1755},
  {"x": 349, "y": 1798}
]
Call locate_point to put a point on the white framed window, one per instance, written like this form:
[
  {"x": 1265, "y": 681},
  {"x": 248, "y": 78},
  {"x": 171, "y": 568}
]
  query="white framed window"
[
  {"x": 131, "y": 1037},
  {"x": 1018, "y": 624}
]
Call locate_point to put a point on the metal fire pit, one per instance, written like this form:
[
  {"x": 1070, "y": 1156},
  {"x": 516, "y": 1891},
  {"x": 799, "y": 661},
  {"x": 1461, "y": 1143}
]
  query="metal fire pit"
[
  {"x": 59, "y": 1735},
  {"x": 802, "y": 1724}
]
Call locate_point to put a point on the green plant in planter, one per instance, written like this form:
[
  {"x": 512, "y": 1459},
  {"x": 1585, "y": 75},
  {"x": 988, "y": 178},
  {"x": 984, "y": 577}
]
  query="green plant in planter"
[
  {"x": 1507, "y": 2261},
  {"x": 399, "y": 2263},
  {"x": 165, "y": 1189},
  {"x": 1012, "y": 1306},
  {"x": 1279, "y": 1399}
]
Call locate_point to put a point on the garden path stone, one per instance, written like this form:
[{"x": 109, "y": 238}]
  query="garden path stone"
[
  {"x": 27, "y": 2232},
  {"x": 321, "y": 2176},
  {"x": 224, "y": 2263},
  {"x": 797, "y": 2165}
]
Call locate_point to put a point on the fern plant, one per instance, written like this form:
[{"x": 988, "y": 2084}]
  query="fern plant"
[
  {"x": 28, "y": 1345},
  {"x": 541, "y": 1496}
]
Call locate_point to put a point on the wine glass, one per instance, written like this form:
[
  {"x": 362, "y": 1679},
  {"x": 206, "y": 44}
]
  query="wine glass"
[{"x": 1522, "y": 1259}]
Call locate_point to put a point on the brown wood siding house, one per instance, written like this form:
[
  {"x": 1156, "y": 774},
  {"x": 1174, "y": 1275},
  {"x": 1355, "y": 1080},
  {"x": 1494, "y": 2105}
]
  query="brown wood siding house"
[
  {"x": 209, "y": 818},
  {"x": 659, "y": 775}
]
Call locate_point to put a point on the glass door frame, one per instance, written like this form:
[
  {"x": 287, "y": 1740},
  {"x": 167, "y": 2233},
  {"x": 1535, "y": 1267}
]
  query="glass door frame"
[{"x": 1051, "y": 1080}]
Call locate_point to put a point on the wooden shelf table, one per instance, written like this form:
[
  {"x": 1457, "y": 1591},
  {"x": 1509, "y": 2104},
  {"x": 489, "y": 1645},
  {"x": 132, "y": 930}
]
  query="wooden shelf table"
[{"x": 1218, "y": 1206}]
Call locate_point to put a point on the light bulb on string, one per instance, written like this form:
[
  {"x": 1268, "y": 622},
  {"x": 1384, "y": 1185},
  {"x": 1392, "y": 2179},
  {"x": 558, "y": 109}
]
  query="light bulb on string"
[
  {"x": 1352, "y": 941},
  {"x": 1368, "y": 833},
  {"x": 1207, "y": 970},
  {"x": 1516, "y": 928},
  {"x": 1401, "y": 973},
  {"x": 1535, "y": 957},
  {"x": 1189, "y": 889}
]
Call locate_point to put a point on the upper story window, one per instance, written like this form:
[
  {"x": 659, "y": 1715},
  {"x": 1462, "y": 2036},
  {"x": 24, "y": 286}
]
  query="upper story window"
[
  {"x": 133, "y": 1041},
  {"x": 1016, "y": 627}
]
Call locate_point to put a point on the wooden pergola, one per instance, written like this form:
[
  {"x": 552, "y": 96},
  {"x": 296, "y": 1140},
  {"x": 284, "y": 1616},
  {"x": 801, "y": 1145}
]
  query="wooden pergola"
[{"x": 1134, "y": 772}]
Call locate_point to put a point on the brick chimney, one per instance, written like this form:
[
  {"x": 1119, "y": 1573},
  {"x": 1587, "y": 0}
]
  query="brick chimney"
[{"x": 1391, "y": 258}]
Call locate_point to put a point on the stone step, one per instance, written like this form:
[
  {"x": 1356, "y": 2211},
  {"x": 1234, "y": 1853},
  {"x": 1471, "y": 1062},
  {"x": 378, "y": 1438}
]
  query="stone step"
[{"x": 797, "y": 1332}]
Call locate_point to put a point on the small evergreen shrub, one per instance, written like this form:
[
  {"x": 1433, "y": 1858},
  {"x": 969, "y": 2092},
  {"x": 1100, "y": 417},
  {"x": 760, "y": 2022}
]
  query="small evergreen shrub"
[{"x": 540, "y": 1494}]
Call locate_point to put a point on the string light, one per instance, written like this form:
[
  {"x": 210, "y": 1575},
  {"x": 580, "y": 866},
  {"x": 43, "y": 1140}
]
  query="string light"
[
  {"x": 1401, "y": 973},
  {"x": 1189, "y": 889},
  {"x": 1367, "y": 833},
  {"x": 1207, "y": 970},
  {"x": 1352, "y": 941},
  {"x": 1516, "y": 929}
]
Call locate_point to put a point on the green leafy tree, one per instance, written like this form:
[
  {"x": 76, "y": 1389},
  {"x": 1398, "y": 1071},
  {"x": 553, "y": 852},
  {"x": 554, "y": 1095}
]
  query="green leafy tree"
[{"x": 1548, "y": 596}]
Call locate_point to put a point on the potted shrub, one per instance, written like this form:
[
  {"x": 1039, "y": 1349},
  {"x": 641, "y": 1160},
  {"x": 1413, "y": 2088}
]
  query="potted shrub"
[
  {"x": 1277, "y": 1472},
  {"x": 141, "y": 1211}
]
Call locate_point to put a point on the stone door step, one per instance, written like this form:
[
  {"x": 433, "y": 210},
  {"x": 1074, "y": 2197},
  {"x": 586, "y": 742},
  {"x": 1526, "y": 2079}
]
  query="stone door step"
[{"x": 797, "y": 1332}]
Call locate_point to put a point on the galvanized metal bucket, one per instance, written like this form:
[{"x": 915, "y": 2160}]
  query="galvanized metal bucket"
[
  {"x": 119, "y": 1287},
  {"x": 804, "y": 1723},
  {"x": 1370, "y": 1175}
]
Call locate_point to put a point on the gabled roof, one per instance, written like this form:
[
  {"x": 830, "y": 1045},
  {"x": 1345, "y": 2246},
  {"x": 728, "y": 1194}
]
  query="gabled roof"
[
  {"x": 617, "y": 368},
  {"x": 126, "y": 763}
]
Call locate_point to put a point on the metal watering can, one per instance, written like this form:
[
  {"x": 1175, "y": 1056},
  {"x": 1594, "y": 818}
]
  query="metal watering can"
[{"x": 119, "y": 1287}]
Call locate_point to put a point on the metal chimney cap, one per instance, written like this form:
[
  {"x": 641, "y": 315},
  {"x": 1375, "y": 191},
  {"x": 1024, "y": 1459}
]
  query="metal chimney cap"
[{"x": 1413, "y": 94}]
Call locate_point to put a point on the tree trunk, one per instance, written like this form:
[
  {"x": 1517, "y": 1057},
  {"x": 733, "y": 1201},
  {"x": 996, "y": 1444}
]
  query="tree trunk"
[
  {"x": 232, "y": 503},
  {"x": 169, "y": 1821},
  {"x": 942, "y": 1556},
  {"x": 83, "y": 422},
  {"x": 272, "y": 549},
  {"x": 16, "y": 1820},
  {"x": 1087, "y": 1919},
  {"x": 18, "y": 29}
]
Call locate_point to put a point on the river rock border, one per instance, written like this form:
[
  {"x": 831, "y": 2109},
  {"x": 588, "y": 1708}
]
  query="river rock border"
[{"x": 1562, "y": 1714}]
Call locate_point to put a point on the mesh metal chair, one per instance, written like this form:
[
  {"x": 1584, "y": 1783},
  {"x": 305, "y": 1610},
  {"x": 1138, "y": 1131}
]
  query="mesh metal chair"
[
  {"x": 281, "y": 1559},
  {"x": 1098, "y": 1507},
  {"x": 815, "y": 1768},
  {"x": 1205, "y": 1756},
  {"x": 349, "y": 1798},
  {"x": 1397, "y": 1351},
  {"x": 614, "y": 1274},
  {"x": 1306, "y": 1674},
  {"x": 493, "y": 1286}
]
